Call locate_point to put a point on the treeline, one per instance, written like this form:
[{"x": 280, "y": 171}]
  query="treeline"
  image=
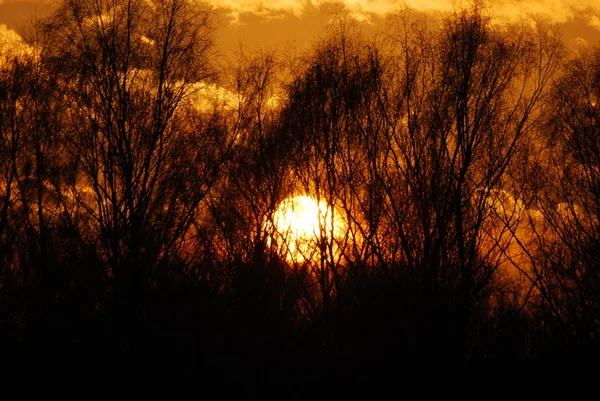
[{"x": 458, "y": 164}]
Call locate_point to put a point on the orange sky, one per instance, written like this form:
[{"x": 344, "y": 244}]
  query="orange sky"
[{"x": 272, "y": 22}]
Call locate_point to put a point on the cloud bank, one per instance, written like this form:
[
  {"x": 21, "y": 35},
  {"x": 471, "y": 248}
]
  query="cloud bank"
[{"x": 558, "y": 11}]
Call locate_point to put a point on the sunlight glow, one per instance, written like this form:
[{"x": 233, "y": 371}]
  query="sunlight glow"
[{"x": 301, "y": 224}]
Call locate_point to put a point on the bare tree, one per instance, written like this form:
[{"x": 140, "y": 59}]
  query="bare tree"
[
  {"x": 327, "y": 100},
  {"x": 141, "y": 156},
  {"x": 457, "y": 104},
  {"x": 566, "y": 251}
]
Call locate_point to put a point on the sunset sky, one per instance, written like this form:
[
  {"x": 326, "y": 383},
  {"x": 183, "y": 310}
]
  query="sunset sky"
[
  {"x": 298, "y": 22},
  {"x": 297, "y": 193}
]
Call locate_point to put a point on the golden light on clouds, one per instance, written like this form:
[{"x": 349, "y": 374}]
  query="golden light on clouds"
[
  {"x": 268, "y": 8},
  {"x": 558, "y": 11},
  {"x": 206, "y": 96},
  {"x": 269, "y": 22},
  {"x": 9, "y": 38},
  {"x": 12, "y": 45}
]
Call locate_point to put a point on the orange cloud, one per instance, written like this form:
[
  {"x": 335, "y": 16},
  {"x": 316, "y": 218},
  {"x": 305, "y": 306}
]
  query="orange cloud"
[
  {"x": 558, "y": 11},
  {"x": 12, "y": 45},
  {"x": 595, "y": 22},
  {"x": 264, "y": 8}
]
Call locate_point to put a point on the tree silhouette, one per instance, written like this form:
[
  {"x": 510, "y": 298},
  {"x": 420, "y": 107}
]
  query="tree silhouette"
[
  {"x": 567, "y": 234},
  {"x": 145, "y": 184},
  {"x": 140, "y": 158}
]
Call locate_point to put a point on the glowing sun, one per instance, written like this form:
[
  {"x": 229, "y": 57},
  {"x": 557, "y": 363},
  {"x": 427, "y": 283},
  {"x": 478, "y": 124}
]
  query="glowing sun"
[{"x": 300, "y": 224}]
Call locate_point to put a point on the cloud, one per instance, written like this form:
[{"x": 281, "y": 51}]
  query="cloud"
[
  {"x": 595, "y": 22},
  {"x": 12, "y": 45},
  {"x": 205, "y": 97},
  {"x": 8, "y": 37},
  {"x": 558, "y": 11},
  {"x": 264, "y": 8}
]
